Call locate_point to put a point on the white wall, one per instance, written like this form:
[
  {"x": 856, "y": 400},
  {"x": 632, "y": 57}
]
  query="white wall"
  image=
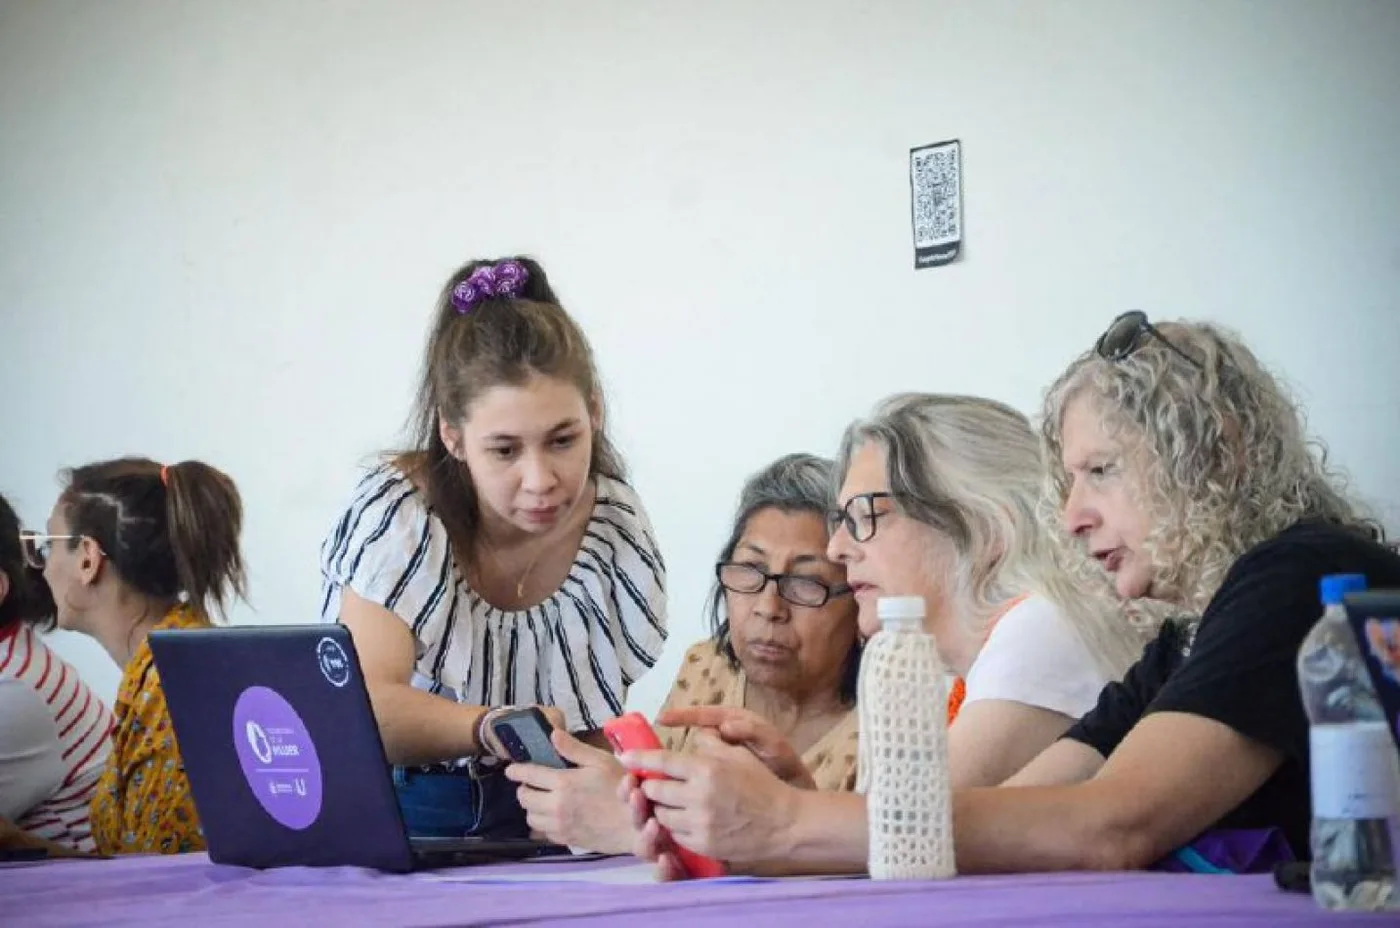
[{"x": 222, "y": 225}]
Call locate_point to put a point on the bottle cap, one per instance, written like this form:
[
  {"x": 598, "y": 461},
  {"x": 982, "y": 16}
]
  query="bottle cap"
[
  {"x": 901, "y": 611},
  {"x": 1335, "y": 586}
]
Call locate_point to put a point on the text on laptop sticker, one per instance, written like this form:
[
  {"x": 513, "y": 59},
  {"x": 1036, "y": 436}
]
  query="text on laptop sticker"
[
  {"x": 335, "y": 663},
  {"x": 277, "y": 756}
]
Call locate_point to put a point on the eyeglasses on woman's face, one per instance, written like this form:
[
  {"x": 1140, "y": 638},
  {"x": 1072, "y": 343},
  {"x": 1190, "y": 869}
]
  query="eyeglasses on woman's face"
[{"x": 737, "y": 577}]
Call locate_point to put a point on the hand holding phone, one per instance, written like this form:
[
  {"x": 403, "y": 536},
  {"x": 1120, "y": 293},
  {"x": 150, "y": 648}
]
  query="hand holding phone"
[
  {"x": 524, "y": 735},
  {"x": 632, "y": 732}
]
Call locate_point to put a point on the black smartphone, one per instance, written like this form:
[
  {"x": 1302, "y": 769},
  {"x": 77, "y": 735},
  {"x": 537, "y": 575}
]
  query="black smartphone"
[{"x": 524, "y": 733}]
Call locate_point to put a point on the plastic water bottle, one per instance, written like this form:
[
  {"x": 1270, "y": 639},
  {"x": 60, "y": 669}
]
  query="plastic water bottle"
[
  {"x": 1354, "y": 788},
  {"x": 903, "y": 700}
]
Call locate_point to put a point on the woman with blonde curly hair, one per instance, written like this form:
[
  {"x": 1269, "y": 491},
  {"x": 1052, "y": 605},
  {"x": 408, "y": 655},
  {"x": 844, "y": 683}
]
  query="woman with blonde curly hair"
[{"x": 1182, "y": 470}]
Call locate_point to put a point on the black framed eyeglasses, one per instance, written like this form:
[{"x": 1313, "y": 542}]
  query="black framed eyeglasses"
[
  {"x": 859, "y": 516},
  {"x": 795, "y": 588},
  {"x": 1126, "y": 335}
]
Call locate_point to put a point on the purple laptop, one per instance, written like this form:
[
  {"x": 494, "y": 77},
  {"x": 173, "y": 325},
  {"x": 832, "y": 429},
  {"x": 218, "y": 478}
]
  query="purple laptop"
[{"x": 284, "y": 757}]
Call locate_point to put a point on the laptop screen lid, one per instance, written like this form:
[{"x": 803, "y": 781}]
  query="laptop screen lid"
[{"x": 280, "y": 745}]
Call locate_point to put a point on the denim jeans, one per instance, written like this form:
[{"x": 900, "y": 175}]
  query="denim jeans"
[{"x": 440, "y": 803}]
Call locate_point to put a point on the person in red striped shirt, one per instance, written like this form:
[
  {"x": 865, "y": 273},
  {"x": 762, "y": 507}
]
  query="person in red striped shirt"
[{"x": 54, "y": 732}]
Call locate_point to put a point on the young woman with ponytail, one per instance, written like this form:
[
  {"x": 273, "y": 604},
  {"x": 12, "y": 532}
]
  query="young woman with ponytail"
[
  {"x": 500, "y": 559},
  {"x": 133, "y": 546}
]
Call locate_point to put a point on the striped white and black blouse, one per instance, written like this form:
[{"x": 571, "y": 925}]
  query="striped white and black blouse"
[{"x": 578, "y": 650}]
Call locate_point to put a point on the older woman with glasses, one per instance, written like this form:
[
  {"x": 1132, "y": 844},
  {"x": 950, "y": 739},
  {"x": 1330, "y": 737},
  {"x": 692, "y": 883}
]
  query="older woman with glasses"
[{"x": 780, "y": 666}]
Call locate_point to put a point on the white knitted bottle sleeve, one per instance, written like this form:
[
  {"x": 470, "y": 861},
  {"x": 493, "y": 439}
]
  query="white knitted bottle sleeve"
[{"x": 903, "y": 756}]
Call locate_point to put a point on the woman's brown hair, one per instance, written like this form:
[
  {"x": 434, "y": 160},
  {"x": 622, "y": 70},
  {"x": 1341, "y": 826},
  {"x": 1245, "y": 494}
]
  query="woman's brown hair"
[
  {"x": 496, "y": 340},
  {"x": 171, "y": 532}
]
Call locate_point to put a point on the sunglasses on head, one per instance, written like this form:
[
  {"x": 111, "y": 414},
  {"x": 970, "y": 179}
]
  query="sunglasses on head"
[{"x": 1128, "y": 333}]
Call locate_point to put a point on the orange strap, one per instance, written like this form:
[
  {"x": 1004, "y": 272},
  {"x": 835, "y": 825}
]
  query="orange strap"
[
  {"x": 955, "y": 698},
  {"x": 958, "y": 693}
]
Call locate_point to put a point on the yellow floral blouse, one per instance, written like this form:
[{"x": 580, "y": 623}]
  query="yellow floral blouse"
[
  {"x": 706, "y": 679},
  {"x": 143, "y": 803}
]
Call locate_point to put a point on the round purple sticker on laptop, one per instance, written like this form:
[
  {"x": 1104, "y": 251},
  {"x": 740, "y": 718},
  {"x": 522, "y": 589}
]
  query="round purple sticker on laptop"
[{"x": 277, "y": 756}]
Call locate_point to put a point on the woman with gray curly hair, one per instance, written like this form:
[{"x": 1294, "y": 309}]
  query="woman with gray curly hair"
[{"x": 1182, "y": 470}]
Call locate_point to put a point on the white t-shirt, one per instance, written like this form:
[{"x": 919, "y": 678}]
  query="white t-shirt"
[{"x": 1034, "y": 656}]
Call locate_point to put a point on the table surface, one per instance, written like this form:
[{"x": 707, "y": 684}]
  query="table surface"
[{"x": 189, "y": 890}]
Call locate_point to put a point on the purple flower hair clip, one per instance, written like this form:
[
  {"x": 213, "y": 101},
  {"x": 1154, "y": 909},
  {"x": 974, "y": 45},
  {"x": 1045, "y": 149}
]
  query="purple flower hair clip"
[{"x": 488, "y": 282}]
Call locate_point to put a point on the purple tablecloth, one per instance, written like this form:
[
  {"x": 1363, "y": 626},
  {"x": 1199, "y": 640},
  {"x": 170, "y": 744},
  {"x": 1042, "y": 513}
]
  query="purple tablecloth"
[{"x": 189, "y": 890}]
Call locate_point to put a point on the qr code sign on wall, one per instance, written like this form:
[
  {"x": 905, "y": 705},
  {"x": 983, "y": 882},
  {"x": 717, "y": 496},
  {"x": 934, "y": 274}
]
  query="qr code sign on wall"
[{"x": 935, "y": 186}]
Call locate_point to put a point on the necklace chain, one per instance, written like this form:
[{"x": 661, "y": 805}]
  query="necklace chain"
[{"x": 529, "y": 567}]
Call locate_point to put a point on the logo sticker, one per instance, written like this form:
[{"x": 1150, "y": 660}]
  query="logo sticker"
[
  {"x": 278, "y": 757},
  {"x": 335, "y": 663}
]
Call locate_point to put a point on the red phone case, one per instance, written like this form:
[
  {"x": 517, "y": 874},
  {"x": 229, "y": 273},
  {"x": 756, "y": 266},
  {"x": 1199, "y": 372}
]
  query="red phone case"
[{"x": 632, "y": 732}]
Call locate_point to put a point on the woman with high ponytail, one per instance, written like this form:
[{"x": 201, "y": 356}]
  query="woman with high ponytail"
[
  {"x": 133, "y": 546},
  {"x": 499, "y": 559}
]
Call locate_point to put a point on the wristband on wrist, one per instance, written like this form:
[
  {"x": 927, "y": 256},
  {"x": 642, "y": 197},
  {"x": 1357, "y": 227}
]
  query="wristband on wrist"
[{"x": 487, "y": 717}]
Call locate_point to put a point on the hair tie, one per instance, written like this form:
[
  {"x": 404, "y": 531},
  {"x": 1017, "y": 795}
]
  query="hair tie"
[
  {"x": 490, "y": 281},
  {"x": 165, "y": 476}
]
